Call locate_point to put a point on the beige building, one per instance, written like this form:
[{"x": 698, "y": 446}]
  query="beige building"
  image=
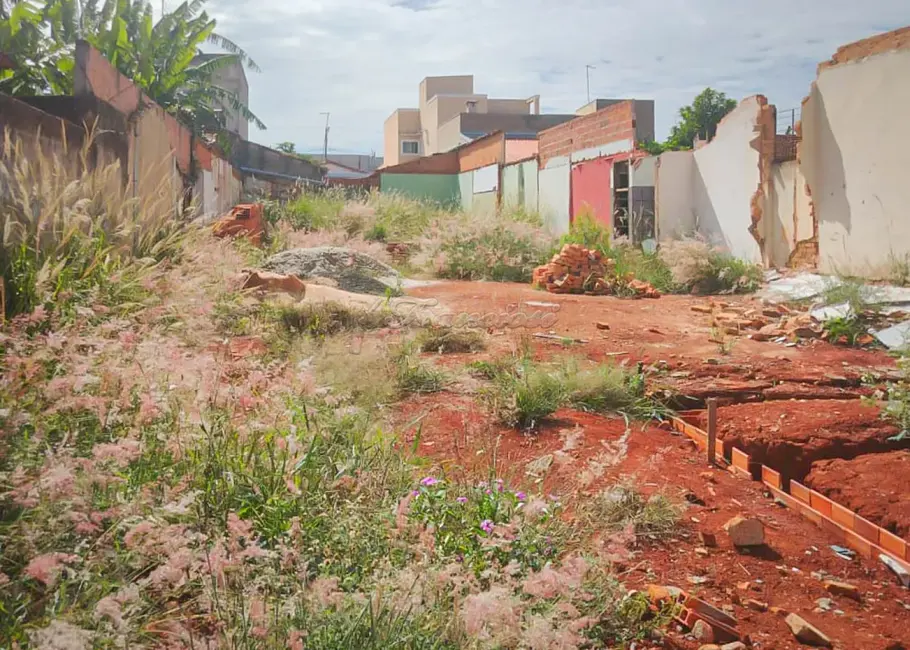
[{"x": 450, "y": 114}]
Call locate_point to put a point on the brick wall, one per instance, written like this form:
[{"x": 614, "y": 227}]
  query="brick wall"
[
  {"x": 611, "y": 124},
  {"x": 483, "y": 152}
]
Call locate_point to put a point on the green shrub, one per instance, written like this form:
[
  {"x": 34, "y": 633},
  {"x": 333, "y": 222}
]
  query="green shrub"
[
  {"x": 496, "y": 254},
  {"x": 447, "y": 340},
  {"x": 414, "y": 375},
  {"x": 622, "y": 507},
  {"x": 524, "y": 397},
  {"x": 322, "y": 319},
  {"x": 465, "y": 518}
]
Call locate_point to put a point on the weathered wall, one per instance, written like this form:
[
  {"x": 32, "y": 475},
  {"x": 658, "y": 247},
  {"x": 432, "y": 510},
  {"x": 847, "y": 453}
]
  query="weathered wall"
[
  {"x": 520, "y": 150},
  {"x": 789, "y": 214},
  {"x": 441, "y": 188},
  {"x": 554, "y": 194},
  {"x": 484, "y": 203},
  {"x": 255, "y": 157},
  {"x": 608, "y": 131},
  {"x": 854, "y": 155},
  {"x": 591, "y": 190},
  {"x": 217, "y": 188},
  {"x": 727, "y": 176},
  {"x": 485, "y": 151},
  {"x": 519, "y": 185},
  {"x": 675, "y": 189}
]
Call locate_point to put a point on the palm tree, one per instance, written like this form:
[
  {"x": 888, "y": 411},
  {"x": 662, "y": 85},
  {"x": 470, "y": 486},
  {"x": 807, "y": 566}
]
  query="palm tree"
[{"x": 157, "y": 56}]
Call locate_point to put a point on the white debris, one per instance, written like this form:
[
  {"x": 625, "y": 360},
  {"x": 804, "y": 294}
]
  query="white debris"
[{"x": 895, "y": 337}]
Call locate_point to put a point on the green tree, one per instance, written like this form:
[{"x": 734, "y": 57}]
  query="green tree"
[
  {"x": 38, "y": 40},
  {"x": 157, "y": 56},
  {"x": 700, "y": 119},
  {"x": 287, "y": 147}
]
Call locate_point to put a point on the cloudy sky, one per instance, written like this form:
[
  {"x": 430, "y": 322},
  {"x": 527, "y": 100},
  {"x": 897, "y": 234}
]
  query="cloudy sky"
[{"x": 361, "y": 59}]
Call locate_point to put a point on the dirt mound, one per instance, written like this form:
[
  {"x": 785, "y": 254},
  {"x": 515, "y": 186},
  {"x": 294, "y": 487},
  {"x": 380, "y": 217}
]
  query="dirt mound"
[
  {"x": 790, "y": 435},
  {"x": 348, "y": 269},
  {"x": 876, "y": 486}
]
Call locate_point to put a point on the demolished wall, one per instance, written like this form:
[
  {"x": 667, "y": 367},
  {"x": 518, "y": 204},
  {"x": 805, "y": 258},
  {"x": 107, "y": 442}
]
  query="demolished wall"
[{"x": 854, "y": 155}]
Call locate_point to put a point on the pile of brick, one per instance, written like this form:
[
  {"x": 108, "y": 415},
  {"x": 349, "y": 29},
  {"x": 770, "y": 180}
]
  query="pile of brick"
[{"x": 576, "y": 269}]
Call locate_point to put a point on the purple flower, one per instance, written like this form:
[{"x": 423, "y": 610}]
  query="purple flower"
[
  {"x": 486, "y": 526},
  {"x": 487, "y": 492},
  {"x": 499, "y": 487},
  {"x": 462, "y": 499},
  {"x": 415, "y": 493},
  {"x": 429, "y": 480},
  {"x": 521, "y": 496}
]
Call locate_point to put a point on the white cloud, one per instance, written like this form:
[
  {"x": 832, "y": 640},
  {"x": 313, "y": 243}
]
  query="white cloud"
[{"x": 361, "y": 59}]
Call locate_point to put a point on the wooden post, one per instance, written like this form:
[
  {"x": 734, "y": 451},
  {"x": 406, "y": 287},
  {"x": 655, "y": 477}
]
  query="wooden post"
[{"x": 712, "y": 429}]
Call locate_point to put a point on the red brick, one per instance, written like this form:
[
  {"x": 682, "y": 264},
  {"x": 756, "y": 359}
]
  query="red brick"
[
  {"x": 834, "y": 530},
  {"x": 740, "y": 460},
  {"x": 820, "y": 503},
  {"x": 866, "y": 529},
  {"x": 894, "y": 544},
  {"x": 799, "y": 491},
  {"x": 858, "y": 544},
  {"x": 843, "y": 516},
  {"x": 771, "y": 477}
]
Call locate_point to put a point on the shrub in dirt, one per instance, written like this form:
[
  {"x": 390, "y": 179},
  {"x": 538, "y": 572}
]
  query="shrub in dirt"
[
  {"x": 497, "y": 254},
  {"x": 443, "y": 339},
  {"x": 700, "y": 268},
  {"x": 322, "y": 319},
  {"x": 475, "y": 525},
  {"x": 415, "y": 376},
  {"x": 399, "y": 217},
  {"x": 529, "y": 394},
  {"x": 622, "y": 507},
  {"x": 74, "y": 232},
  {"x": 894, "y": 398},
  {"x": 606, "y": 388}
]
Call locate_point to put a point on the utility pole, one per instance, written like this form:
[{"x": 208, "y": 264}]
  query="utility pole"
[
  {"x": 325, "y": 145},
  {"x": 588, "y": 68}
]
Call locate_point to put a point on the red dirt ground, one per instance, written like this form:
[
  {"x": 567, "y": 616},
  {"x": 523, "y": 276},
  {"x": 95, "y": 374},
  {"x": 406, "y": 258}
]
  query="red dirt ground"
[
  {"x": 464, "y": 440},
  {"x": 790, "y": 435},
  {"x": 589, "y": 452},
  {"x": 877, "y": 486}
]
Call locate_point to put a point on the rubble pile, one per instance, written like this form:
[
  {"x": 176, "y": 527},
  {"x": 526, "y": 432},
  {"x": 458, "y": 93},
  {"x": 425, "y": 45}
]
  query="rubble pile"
[
  {"x": 764, "y": 322},
  {"x": 576, "y": 269}
]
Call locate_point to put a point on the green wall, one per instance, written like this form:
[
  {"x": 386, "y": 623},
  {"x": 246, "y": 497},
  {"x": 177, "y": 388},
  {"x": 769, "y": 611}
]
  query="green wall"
[{"x": 441, "y": 188}]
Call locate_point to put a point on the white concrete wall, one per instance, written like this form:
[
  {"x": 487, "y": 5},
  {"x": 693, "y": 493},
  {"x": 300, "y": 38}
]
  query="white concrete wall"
[
  {"x": 466, "y": 190},
  {"x": 554, "y": 193},
  {"x": 856, "y": 139},
  {"x": 643, "y": 172},
  {"x": 787, "y": 219},
  {"x": 675, "y": 194},
  {"x": 486, "y": 179},
  {"x": 512, "y": 178},
  {"x": 727, "y": 176}
]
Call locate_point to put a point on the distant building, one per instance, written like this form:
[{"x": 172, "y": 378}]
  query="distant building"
[
  {"x": 450, "y": 114},
  {"x": 231, "y": 78},
  {"x": 355, "y": 161}
]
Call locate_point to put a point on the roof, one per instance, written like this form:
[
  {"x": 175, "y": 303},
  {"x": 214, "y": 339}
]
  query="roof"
[
  {"x": 510, "y": 135},
  {"x": 337, "y": 170}
]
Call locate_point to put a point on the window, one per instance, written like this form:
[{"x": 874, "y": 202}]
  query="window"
[{"x": 410, "y": 146}]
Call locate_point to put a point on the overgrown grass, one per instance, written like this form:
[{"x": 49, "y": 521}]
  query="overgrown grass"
[
  {"x": 498, "y": 253},
  {"x": 443, "y": 339},
  {"x": 894, "y": 397},
  {"x": 414, "y": 375},
  {"x": 623, "y": 507},
  {"x": 525, "y": 392},
  {"x": 310, "y": 210},
  {"x": 700, "y": 268},
  {"x": 72, "y": 232},
  {"x": 321, "y": 319}
]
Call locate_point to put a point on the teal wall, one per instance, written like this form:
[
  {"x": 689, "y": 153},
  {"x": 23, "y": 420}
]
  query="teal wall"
[{"x": 441, "y": 188}]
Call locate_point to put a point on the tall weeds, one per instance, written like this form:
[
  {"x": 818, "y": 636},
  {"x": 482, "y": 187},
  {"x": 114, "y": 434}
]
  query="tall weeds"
[{"x": 70, "y": 225}]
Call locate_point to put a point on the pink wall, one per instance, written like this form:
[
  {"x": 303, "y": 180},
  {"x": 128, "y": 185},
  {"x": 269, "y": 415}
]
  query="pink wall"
[
  {"x": 591, "y": 189},
  {"x": 520, "y": 150}
]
